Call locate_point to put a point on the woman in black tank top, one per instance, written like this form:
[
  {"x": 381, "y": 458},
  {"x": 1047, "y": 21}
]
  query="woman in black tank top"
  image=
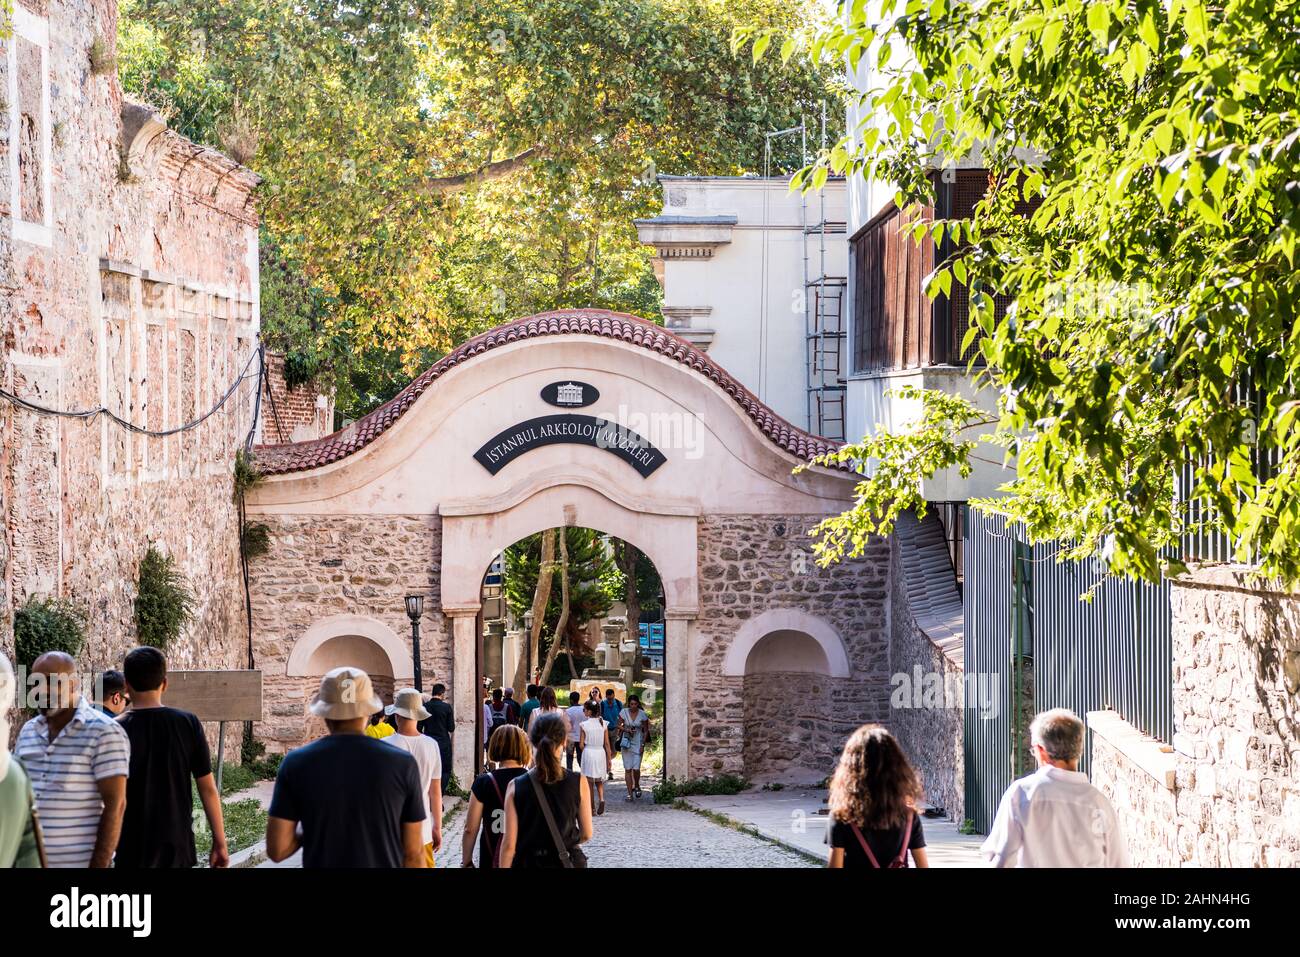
[{"x": 529, "y": 841}]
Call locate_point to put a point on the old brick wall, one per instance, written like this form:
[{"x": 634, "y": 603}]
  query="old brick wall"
[
  {"x": 297, "y": 413},
  {"x": 928, "y": 726},
  {"x": 752, "y": 563},
  {"x": 1236, "y": 720},
  {"x": 320, "y": 566},
  {"x": 135, "y": 289}
]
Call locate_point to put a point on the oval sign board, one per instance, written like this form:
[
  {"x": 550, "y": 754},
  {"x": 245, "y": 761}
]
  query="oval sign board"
[{"x": 570, "y": 394}]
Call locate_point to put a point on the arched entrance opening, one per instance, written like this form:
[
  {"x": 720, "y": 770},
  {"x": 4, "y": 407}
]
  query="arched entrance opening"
[
  {"x": 602, "y": 630},
  {"x": 790, "y": 662},
  {"x": 356, "y": 640}
]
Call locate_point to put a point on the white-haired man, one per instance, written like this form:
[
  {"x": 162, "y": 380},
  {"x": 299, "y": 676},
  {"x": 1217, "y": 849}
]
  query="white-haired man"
[{"x": 1055, "y": 817}]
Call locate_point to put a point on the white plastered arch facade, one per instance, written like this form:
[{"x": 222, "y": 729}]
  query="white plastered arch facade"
[
  {"x": 786, "y": 619},
  {"x": 349, "y": 626},
  {"x": 422, "y": 468}
]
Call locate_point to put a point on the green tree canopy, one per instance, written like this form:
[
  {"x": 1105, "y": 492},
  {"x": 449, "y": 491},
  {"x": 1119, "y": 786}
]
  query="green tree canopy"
[
  {"x": 434, "y": 167},
  {"x": 1154, "y": 289}
]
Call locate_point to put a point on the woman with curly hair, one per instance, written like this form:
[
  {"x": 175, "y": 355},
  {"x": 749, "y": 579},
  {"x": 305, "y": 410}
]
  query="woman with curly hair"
[{"x": 874, "y": 821}]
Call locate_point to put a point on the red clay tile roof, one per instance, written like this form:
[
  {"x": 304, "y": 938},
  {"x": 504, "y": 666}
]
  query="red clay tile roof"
[{"x": 298, "y": 456}]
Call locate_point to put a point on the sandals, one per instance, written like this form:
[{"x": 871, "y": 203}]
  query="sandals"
[{"x": 601, "y": 809}]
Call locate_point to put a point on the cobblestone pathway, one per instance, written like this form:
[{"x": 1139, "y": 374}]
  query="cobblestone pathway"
[{"x": 642, "y": 834}]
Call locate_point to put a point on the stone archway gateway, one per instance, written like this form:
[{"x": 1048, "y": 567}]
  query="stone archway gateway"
[{"x": 574, "y": 418}]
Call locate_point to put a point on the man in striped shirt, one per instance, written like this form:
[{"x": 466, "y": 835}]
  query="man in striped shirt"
[{"x": 77, "y": 759}]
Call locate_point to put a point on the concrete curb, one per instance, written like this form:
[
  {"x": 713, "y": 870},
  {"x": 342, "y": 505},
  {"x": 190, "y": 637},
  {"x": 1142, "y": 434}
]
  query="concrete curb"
[{"x": 761, "y": 833}]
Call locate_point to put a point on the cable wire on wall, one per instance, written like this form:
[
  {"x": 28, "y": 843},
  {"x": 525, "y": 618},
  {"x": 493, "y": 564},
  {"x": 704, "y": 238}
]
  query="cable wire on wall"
[{"x": 89, "y": 415}]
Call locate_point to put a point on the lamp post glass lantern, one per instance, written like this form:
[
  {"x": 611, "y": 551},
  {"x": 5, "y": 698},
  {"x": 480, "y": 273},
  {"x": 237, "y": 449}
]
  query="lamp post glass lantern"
[{"x": 414, "y": 609}]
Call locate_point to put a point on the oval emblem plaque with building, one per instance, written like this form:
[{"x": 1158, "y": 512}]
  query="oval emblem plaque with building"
[{"x": 570, "y": 395}]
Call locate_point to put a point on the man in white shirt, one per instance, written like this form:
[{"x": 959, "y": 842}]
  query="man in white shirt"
[
  {"x": 1055, "y": 817},
  {"x": 77, "y": 759},
  {"x": 408, "y": 707}
]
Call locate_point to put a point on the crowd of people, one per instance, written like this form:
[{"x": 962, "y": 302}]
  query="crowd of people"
[{"x": 109, "y": 784}]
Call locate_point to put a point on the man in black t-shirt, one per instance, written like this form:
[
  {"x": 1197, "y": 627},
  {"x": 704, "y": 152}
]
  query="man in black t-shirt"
[
  {"x": 347, "y": 800},
  {"x": 168, "y": 748},
  {"x": 440, "y": 725}
]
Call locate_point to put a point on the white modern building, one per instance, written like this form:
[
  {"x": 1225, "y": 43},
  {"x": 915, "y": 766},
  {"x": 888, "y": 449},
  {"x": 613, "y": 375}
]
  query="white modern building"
[{"x": 755, "y": 275}]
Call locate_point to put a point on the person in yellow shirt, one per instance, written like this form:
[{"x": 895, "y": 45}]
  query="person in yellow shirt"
[{"x": 379, "y": 726}]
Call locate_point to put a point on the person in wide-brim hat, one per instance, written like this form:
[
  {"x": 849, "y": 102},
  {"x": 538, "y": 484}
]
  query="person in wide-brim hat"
[
  {"x": 346, "y": 693},
  {"x": 408, "y": 703}
]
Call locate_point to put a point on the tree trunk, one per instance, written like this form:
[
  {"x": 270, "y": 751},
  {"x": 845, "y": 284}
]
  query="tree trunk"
[
  {"x": 541, "y": 596},
  {"x": 563, "y": 624},
  {"x": 629, "y": 557}
]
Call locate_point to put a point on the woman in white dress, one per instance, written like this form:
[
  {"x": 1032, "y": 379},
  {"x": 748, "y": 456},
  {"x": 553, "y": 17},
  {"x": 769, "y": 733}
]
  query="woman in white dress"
[{"x": 596, "y": 753}]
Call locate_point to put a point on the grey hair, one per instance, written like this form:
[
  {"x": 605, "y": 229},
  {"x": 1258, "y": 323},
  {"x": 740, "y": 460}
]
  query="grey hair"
[{"x": 1060, "y": 732}]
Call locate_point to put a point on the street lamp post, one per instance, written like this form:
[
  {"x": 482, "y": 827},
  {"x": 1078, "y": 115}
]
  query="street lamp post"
[
  {"x": 528, "y": 647},
  {"x": 414, "y": 609}
]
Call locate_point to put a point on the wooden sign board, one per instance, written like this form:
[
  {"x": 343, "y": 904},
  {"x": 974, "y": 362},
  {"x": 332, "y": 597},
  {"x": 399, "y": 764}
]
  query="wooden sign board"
[{"x": 216, "y": 695}]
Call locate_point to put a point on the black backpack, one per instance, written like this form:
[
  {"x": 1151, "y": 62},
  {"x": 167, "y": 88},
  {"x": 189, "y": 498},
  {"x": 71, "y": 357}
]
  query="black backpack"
[{"x": 499, "y": 718}]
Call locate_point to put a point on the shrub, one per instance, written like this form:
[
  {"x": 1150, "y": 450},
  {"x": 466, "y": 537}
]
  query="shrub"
[
  {"x": 247, "y": 475},
  {"x": 47, "y": 624},
  {"x": 163, "y": 603},
  {"x": 670, "y": 789},
  {"x": 257, "y": 540}
]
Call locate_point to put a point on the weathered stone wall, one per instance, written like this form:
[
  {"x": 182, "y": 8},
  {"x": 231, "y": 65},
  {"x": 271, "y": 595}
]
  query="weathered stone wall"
[
  {"x": 1229, "y": 794},
  {"x": 133, "y": 287},
  {"x": 1236, "y": 720},
  {"x": 1139, "y": 790},
  {"x": 788, "y": 718},
  {"x": 930, "y": 734},
  {"x": 320, "y": 566},
  {"x": 750, "y": 564}
]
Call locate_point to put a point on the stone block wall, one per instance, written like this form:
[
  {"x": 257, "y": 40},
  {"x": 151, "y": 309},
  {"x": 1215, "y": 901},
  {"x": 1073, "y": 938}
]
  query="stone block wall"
[
  {"x": 750, "y": 564},
  {"x": 320, "y": 566},
  {"x": 931, "y": 734},
  {"x": 131, "y": 285},
  {"x": 1236, "y": 720},
  {"x": 788, "y": 726},
  {"x": 1229, "y": 793},
  {"x": 1139, "y": 790}
]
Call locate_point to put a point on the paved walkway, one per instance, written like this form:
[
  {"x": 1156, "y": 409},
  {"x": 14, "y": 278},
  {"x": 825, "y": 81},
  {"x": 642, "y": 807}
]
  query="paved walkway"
[
  {"x": 640, "y": 834},
  {"x": 643, "y": 834},
  {"x": 790, "y": 816}
]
